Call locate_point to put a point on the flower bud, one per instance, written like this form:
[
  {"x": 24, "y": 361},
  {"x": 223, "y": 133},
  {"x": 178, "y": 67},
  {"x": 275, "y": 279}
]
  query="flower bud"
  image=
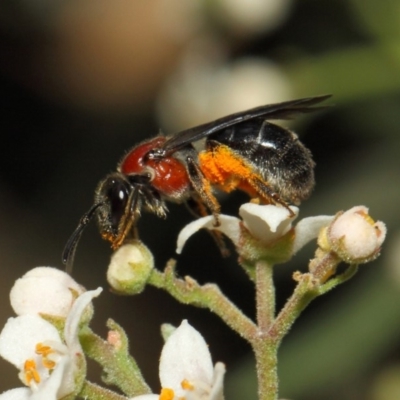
[
  {"x": 354, "y": 236},
  {"x": 130, "y": 268},
  {"x": 44, "y": 290}
]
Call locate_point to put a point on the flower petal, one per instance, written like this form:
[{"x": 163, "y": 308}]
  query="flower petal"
[
  {"x": 51, "y": 387},
  {"x": 308, "y": 229},
  {"x": 44, "y": 290},
  {"x": 72, "y": 322},
  {"x": 267, "y": 222},
  {"x": 217, "y": 392},
  {"x": 16, "y": 394},
  {"x": 185, "y": 355},
  {"x": 20, "y": 335},
  {"x": 71, "y": 338},
  {"x": 228, "y": 225}
]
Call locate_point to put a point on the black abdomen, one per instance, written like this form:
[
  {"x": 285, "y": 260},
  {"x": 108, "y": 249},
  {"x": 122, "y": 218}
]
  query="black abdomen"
[{"x": 275, "y": 153}]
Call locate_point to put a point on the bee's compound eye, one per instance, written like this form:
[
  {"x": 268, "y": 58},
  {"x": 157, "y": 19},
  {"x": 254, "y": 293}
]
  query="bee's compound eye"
[{"x": 114, "y": 192}]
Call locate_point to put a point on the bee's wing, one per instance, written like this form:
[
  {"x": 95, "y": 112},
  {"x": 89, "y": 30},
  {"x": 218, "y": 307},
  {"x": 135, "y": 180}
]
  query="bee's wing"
[{"x": 284, "y": 110}]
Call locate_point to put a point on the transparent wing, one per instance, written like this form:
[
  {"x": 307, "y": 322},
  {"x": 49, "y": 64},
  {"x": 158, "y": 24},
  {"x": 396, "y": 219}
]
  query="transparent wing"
[{"x": 285, "y": 110}]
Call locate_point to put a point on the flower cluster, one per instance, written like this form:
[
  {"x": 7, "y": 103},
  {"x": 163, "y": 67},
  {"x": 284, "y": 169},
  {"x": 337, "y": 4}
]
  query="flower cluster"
[
  {"x": 49, "y": 362},
  {"x": 43, "y": 343},
  {"x": 53, "y": 311},
  {"x": 265, "y": 230}
]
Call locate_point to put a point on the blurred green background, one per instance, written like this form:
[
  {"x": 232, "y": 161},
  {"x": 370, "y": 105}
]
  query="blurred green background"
[{"x": 83, "y": 82}]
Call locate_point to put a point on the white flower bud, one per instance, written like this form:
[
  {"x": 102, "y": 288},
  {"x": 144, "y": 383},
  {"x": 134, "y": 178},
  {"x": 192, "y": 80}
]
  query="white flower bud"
[
  {"x": 44, "y": 290},
  {"x": 130, "y": 268},
  {"x": 355, "y": 236}
]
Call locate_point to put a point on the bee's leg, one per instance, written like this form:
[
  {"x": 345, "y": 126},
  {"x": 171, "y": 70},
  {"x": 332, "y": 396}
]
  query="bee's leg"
[
  {"x": 203, "y": 188},
  {"x": 197, "y": 208},
  {"x": 135, "y": 232},
  {"x": 203, "y": 202},
  {"x": 267, "y": 193}
]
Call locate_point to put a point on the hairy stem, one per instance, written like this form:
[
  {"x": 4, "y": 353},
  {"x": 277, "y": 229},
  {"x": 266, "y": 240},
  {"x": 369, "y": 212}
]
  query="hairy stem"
[
  {"x": 120, "y": 369},
  {"x": 265, "y": 295},
  {"x": 188, "y": 291},
  {"x": 94, "y": 392}
]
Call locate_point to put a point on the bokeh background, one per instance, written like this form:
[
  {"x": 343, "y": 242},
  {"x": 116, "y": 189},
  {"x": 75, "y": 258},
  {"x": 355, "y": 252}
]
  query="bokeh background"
[{"x": 83, "y": 82}]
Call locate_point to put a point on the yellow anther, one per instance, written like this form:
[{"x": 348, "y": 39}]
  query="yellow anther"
[
  {"x": 49, "y": 364},
  {"x": 30, "y": 372},
  {"x": 43, "y": 350},
  {"x": 185, "y": 384},
  {"x": 166, "y": 394}
]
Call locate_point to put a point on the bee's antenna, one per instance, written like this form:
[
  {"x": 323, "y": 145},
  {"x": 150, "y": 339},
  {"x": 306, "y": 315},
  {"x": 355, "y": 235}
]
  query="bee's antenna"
[{"x": 68, "y": 254}]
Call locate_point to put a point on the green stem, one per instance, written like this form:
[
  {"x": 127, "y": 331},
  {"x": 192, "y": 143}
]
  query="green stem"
[
  {"x": 266, "y": 344},
  {"x": 265, "y": 295},
  {"x": 188, "y": 291},
  {"x": 94, "y": 392},
  {"x": 266, "y": 354},
  {"x": 333, "y": 282},
  {"x": 303, "y": 294},
  {"x": 266, "y": 349},
  {"x": 120, "y": 369}
]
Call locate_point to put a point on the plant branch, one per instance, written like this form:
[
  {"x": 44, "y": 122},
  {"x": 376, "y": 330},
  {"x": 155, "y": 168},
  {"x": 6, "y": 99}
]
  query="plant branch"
[
  {"x": 265, "y": 295},
  {"x": 119, "y": 367},
  {"x": 188, "y": 291},
  {"x": 94, "y": 392}
]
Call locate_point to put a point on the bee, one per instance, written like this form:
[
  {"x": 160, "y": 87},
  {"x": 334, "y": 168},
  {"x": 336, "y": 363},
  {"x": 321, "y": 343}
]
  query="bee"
[{"x": 243, "y": 151}]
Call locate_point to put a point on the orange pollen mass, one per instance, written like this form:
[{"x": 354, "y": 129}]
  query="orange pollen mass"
[
  {"x": 224, "y": 168},
  {"x": 166, "y": 394}
]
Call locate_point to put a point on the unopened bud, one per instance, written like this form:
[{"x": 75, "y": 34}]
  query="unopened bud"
[
  {"x": 130, "y": 268},
  {"x": 354, "y": 236},
  {"x": 45, "y": 290}
]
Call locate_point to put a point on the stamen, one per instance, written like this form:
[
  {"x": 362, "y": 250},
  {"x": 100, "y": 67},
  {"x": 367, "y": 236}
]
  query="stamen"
[
  {"x": 49, "y": 364},
  {"x": 45, "y": 351},
  {"x": 30, "y": 372},
  {"x": 166, "y": 394},
  {"x": 186, "y": 385}
]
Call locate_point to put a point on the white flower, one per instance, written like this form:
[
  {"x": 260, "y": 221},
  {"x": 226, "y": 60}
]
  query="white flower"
[
  {"x": 44, "y": 290},
  {"x": 266, "y": 223},
  {"x": 186, "y": 369},
  {"x": 47, "y": 364}
]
